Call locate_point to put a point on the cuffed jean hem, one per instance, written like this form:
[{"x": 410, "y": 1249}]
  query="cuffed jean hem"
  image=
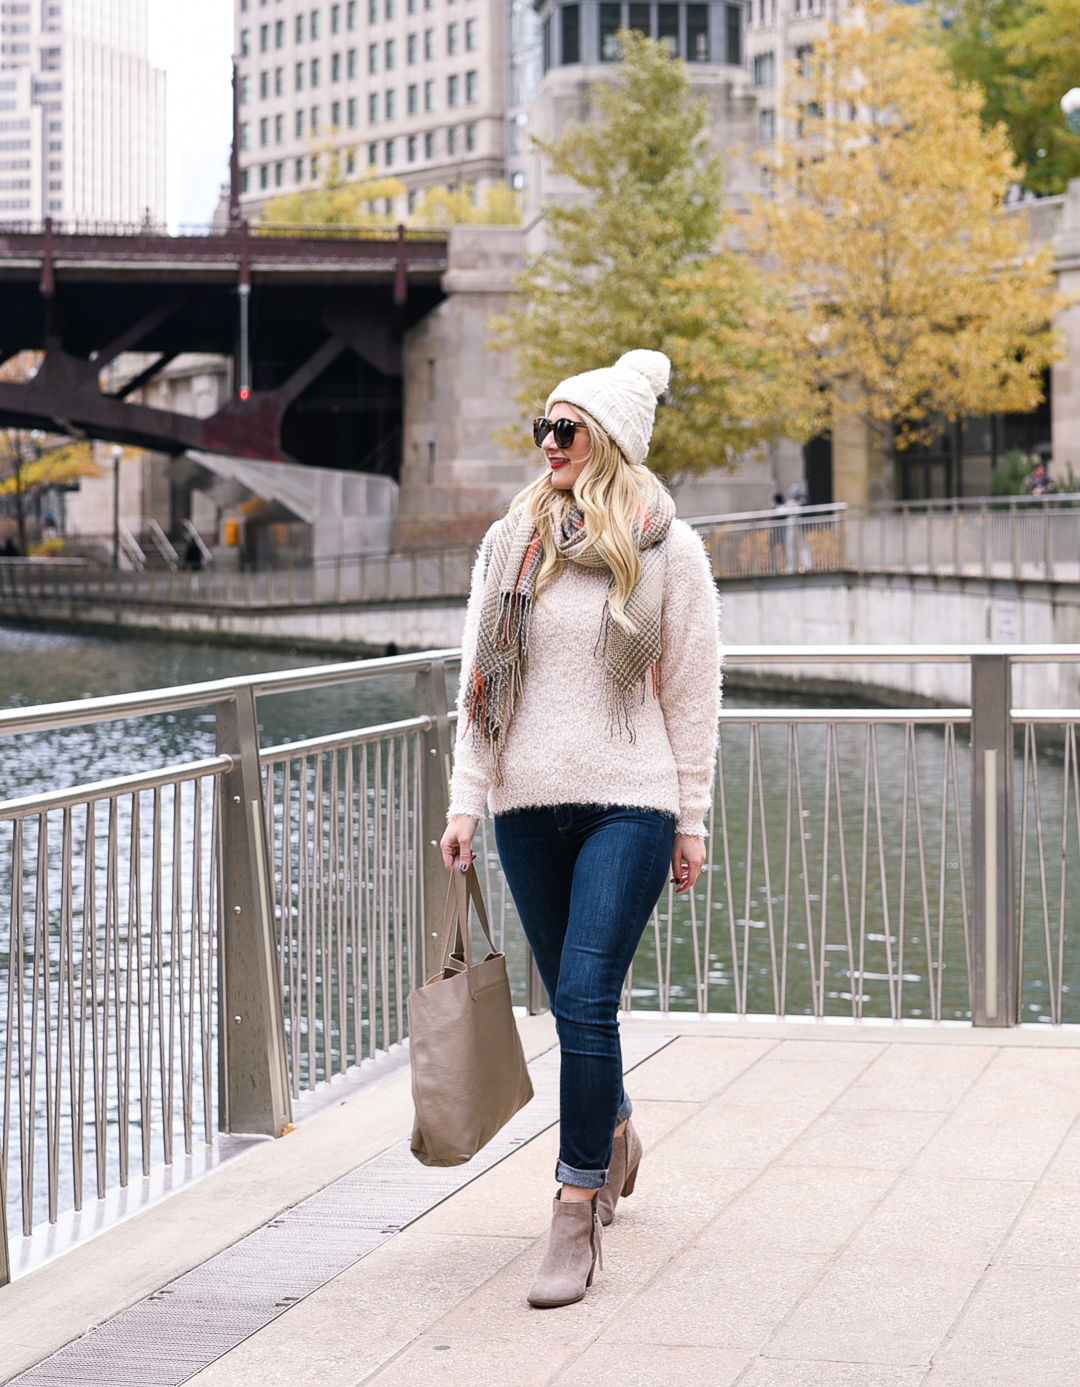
[
  {"x": 625, "y": 1110},
  {"x": 583, "y": 1179}
]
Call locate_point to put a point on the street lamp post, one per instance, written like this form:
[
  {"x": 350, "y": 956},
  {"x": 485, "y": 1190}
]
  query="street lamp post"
[{"x": 117, "y": 453}]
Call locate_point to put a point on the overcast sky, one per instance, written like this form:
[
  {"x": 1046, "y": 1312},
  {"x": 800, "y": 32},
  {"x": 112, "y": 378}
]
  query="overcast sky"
[{"x": 192, "y": 41}]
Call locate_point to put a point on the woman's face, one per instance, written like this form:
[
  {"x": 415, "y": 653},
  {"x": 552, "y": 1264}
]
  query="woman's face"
[{"x": 567, "y": 464}]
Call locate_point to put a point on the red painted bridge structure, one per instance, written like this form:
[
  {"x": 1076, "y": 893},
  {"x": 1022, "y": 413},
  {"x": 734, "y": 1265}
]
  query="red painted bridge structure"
[{"x": 313, "y": 318}]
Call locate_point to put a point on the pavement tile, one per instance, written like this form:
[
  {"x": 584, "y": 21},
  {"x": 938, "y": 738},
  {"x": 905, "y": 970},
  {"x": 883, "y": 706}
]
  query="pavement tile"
[
  {"x": 1001, "y": 1150},
  {"x": 1064, "y": 1169},
  {"x": 877, "y": 1139},
  {"x": 360, "y": 1319},
  {"x": 804, "y": 1372},
  {"x": 926, "y": 1078},
  {"x": 878, "y": 1311},
  {"x": 1017, "y": 1313},
  {"x": 472, "y": 1362},
  {"x": 800, "y": 1086},
  {"x": 695, "y": 1068},
  {"x": 654, "y": 1365},
  {"x": 823, "y": 1052},
  {"x": 808, "y": 1212},
  {"x": 1047, "y": 1232},
  {"x": 930, "y": 1219},
  {"x": 706, "y": 1296}
]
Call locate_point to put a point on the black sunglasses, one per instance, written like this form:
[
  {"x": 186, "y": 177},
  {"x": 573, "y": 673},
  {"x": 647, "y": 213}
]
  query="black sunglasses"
[{"x": 563, "y": 429}]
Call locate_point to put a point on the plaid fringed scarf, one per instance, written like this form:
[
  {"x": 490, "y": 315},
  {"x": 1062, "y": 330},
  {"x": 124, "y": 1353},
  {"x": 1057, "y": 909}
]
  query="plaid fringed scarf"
[{"x": 502, "y": 647}]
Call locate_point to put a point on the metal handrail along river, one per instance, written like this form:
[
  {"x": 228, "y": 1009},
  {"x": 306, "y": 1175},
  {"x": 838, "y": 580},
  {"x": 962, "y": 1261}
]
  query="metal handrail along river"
[{"x": 191, "y": 949}]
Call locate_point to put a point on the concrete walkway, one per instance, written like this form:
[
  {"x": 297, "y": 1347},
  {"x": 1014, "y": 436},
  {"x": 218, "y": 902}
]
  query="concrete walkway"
[{"x": 819, "y": 1206}]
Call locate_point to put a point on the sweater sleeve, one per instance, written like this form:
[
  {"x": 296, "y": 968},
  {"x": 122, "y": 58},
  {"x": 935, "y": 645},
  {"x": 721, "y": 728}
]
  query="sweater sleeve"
[
  {"x": 473, "y": 771},
  {"x": 690, "y": 673}
]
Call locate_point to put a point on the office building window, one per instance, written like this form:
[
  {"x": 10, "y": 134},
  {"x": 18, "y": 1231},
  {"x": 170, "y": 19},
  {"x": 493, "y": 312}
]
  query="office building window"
[
  {"x": 351, "y": 64},
  {"x": 764, "y": 70},
  {"x": 279, "y": 81},
  {"x": 470, "y": 35},
  {"x": 299, "y": 84},
  {"x": 245, "y": 90},
  {"x": 733, "y": 15},
  {"x": 335, "y": 67},
  {"x": 389, "y": 105},
  {"x": 243, "y": 184},
  {"x": 264, "y": 130},
  {"x": 767, "y": 125},
  {"x": 451, "y": 39},
  {"x": 412, "y": 99},
  {"x": 373, "y": 57},
  {"x": 372, "y": 108},
  {"x": 335, "y": 18},
  {"x": 264, "y": 38},
  {"x": 372, "y": 11},
  {"x": 411, "y": 49},
  {"x": 264, "y": 85},
  {"x": 373, "y": 155},
  {"x": 389, "y": 58},
  {"x": 571, "y": 33},
  {"x": 279, "y": 129},
  {"x": 299, "y": 28},
  {"x": 451, "y": 140},
  {"x": 410, "y": 149},
  {"x": 453, "y": 89},
  {"x": 667, "y": 28},
  {"x": 470, "y": 137},
  {"x": 279, "y": 175},
  {"x": 472, "y": 86},
  {"x": 335, "y": 114},
  {"x": 244, "y": 134},
  {"x": 610, "y": 20},
  {"x": 517, "y": 133},
  {"x": 314, "y": 26},
  {"x": 279, "y": 34},
  {"x": 389, "y": 155},
  {"x": 314, "y": 120},
  {"x": 298, "y": 171},
  {"x": 350, "y": 159},
  {"x": 264, "y": 176},
  {"x": 350, "y": 12},
  {"x": 314, "y": 72},
  {"x": 639, "y": 19},
  {"x": 697, "y": 33},
  {"x": 429, "y": 44},
  {"x": 388, "y": 9},
  {"x": 429, "y": 145},
  {"x": 410, "y": 6},
  {"x": 429, "y": 96},
  {"x": 546, "y": 43},
  {"x": 245, "y": 42},
  {"x": 350, "y": 111},
  {"x": 299, "y": 125}
]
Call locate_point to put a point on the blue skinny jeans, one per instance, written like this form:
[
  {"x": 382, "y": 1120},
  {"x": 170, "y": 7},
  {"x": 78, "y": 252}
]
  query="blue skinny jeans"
[{"x": 585, "y": 879}]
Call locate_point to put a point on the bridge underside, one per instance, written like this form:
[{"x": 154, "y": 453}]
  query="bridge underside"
[{"x": 325, "y": 326}]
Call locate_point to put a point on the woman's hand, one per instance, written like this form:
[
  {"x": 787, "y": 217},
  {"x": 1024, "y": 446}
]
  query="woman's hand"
[
  {"x": 687, "y": 861},
  {"x": 456, "y": 842}
]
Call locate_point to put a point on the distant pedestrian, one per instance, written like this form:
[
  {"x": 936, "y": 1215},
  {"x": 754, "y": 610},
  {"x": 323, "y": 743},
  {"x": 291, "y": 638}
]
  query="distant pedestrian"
[
  {"x": 1039, "y": 482},
  {"x": 10, "y": 549},
  {"x": 193, "y": 556},
  {"x": 587, "y": 721},
  {"x": 776, "y": 535}
]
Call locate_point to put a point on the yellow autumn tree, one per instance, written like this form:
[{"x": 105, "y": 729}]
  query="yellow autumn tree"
[
  {"x": 438, "y": 206},
  {"x": 917, "y": 296},
  {"x": 338, "y": 198},
  {"x": 32, "y": 462}
]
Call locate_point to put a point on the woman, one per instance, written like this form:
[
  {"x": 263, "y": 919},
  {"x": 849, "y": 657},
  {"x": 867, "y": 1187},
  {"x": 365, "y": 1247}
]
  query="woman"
[{"x": 587, "y": 720}]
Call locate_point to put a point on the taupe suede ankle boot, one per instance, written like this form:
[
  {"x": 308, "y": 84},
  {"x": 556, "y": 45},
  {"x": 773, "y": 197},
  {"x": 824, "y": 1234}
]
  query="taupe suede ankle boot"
[
  {"x": 572, "y": 1253},
  {"x": 622, "y": 1174}
]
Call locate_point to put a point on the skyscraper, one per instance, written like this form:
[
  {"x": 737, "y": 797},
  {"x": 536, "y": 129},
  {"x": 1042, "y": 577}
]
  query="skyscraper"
[{"x": 82, "y": 113}]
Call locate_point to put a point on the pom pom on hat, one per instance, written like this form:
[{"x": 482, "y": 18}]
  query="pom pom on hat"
[
  {"x": 621, "y": 398},
  {"x": 654, "y": 366}
]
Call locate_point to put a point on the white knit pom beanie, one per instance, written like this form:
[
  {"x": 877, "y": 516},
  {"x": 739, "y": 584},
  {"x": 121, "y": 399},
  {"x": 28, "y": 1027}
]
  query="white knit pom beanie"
[{"x": 621, "y": 398}]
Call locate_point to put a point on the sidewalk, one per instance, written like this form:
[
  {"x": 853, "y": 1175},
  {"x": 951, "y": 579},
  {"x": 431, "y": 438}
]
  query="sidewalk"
[{"x": 818, "y": 1206}]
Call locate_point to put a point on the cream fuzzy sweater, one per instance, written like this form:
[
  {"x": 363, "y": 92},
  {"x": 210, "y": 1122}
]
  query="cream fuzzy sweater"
[{"x": 559, "y": 747}]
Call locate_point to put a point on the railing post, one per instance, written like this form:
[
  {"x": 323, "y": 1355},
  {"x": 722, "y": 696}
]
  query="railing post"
[
  {"x": 253, "y": 1075},
  {"x": 435, "y": 796},
  {"x": 994, "y": 957}
]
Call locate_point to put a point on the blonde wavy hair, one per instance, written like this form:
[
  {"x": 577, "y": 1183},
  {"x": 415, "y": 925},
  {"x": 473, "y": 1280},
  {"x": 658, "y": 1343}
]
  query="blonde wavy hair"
[{"x": 611, "y": 491}]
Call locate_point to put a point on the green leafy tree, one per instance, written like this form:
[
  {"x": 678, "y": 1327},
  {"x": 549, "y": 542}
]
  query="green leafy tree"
[
  {"x": 640, "y": 261},
  {"x": 498, "y": 206},
  {"x": 1025, "y": 55},
  {"x": 337, "y": 199}
]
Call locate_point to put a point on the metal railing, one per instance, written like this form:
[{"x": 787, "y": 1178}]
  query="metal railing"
[
  {"x": 186, "y": 951},
  {"x": 356, "y": 578},
  {"x": 1016, "y": 537}
]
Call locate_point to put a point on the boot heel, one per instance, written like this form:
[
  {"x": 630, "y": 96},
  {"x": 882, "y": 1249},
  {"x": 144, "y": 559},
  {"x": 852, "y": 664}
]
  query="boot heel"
[{"x": 631, "y": 1181}]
